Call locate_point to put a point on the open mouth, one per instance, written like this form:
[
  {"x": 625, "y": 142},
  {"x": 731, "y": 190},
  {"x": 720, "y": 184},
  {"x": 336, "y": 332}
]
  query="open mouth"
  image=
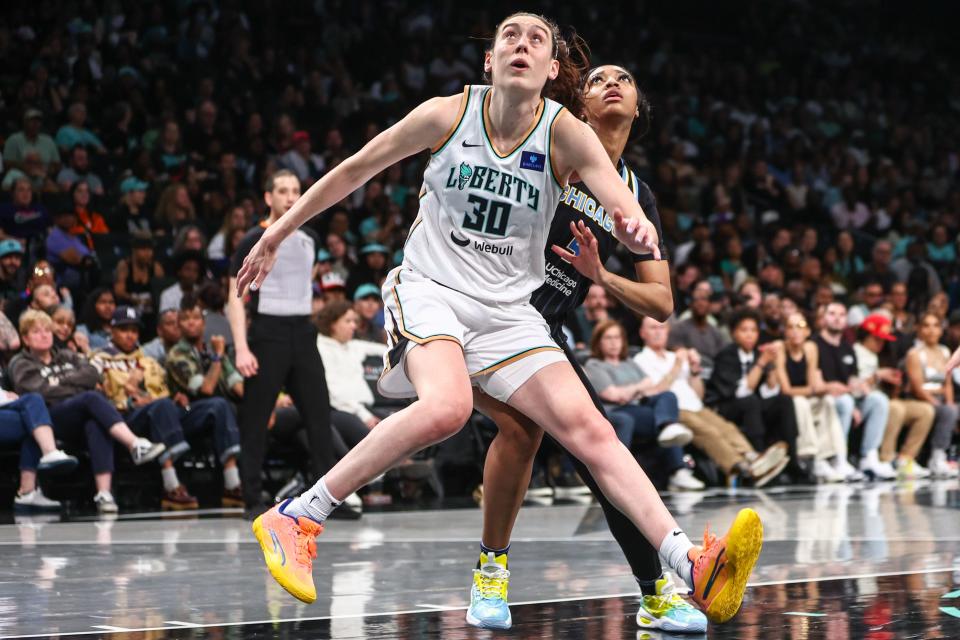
[
  {"x": 612, "y": 96},
  {"x": 519, "y": 65}
]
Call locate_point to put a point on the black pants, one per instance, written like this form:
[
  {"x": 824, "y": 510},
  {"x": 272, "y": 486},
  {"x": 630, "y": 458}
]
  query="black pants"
[
  {"x": 348, "y": 431},
  {"x": 643, "y": 557},
  {"x": 764, "y": 421},
  {"x": 286, "y": 349}
]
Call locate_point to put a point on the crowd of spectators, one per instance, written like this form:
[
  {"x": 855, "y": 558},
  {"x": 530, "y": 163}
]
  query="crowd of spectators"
[{"x": 805, "y": 163}]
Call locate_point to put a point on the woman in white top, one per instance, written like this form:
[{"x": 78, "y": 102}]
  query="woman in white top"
[
  {"x": 459, "y": 304},
  {"x": 343, "y": 358},
  {"x": 929, "y": 381}
]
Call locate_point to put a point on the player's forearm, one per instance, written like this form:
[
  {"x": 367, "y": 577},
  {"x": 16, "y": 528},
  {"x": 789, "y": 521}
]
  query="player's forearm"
[
  {"x": 237, "y": 316},
  {"x": 343, "y": 180},
  {"x": 643, "y": 298},
  {"x": 414, "y": 133}
]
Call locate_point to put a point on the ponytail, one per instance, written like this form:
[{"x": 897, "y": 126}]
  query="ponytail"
[{"x": 574, "y": 59}]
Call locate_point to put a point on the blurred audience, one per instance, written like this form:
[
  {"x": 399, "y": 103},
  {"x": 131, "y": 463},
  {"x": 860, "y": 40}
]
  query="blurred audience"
[{"x": 640, "y": 409}]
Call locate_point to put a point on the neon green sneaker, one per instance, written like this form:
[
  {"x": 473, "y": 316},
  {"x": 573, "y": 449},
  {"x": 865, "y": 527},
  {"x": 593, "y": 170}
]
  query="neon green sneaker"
[
  {"x": 488, "y": 595},
  {"x": 668, "y": 611}
]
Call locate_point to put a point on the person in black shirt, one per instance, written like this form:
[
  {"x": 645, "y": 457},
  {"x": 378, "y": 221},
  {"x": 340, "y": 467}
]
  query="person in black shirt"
[
  {"x": 578, "y": 245},
  {"x": 838, "y": 364},
  {"x": 741, "y": 393},
  {"x": 270, "y": 354}
]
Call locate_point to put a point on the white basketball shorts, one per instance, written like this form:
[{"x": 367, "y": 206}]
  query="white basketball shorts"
[{"x": 504, "y": 345}]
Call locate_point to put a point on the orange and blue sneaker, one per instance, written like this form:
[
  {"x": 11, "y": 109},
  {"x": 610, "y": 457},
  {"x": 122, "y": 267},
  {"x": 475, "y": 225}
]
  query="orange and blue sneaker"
[
  {"x": 722, "y": 566},
  {"x": 668, "y": 611},
  {"x": 289, "y": 546}
]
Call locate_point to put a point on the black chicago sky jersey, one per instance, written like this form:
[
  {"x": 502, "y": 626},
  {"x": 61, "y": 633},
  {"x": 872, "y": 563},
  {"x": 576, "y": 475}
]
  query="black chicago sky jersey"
[{"x": 565, "y": 288}]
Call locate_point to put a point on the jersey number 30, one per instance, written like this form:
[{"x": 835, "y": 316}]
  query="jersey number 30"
[{"x": 488, "y": 216}]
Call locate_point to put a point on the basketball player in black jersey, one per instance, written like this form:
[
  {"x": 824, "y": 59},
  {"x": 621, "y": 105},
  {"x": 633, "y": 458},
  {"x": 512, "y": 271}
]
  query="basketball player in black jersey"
[{"x": 579, "y": 243}]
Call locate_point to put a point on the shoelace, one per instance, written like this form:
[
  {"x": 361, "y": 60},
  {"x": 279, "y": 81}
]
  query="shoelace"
[
  {"x": 709, "y": 540},
  {"x": 665, "y": 599},
  {"x": 306, "y": 548},
  {"x": 493, "y": 585}
]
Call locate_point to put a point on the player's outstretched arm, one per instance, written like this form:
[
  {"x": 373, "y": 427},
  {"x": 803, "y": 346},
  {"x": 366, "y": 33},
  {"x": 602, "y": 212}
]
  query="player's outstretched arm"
[
  {"x": 419, "y": 130},
  {"x": 578, "y": 149}
]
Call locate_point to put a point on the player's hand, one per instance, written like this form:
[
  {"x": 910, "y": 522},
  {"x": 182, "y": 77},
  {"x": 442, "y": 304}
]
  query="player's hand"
[
  {"x": 247, "y": 363},
  {"x": 638, "y": 234},
  {"x": 587, "y": 260},
  {"x": 259, "y": 261},
  {"x": 953, "y": 362}
]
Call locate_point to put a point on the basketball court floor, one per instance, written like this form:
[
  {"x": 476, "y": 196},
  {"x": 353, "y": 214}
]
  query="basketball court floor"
[{"x": 839, "y": 562}]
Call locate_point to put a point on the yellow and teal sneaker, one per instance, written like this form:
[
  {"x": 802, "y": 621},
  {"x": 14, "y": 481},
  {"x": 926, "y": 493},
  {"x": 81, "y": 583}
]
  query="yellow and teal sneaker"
[
  {"x": 488, "y": 595},
  {"x": 668, "y": 611}
]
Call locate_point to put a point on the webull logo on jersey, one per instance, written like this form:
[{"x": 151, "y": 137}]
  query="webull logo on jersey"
[
  {"x": 483, "y": 247},
  {"x": 494, "y": 181},
  {"x": 587, "y": 206}
]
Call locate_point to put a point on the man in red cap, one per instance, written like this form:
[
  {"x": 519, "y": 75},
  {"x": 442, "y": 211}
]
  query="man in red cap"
[{"x": 875, "y": 332}]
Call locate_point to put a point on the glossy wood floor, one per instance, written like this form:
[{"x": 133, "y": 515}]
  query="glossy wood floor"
[{"x": 839, "y": 562}]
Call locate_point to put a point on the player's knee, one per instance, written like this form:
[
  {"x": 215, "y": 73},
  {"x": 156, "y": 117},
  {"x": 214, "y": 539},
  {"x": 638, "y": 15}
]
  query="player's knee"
[
  {"x": 525, "y": 441},
  {"x": 591, "y": 437},
  {"x": 446, "y": 417}
]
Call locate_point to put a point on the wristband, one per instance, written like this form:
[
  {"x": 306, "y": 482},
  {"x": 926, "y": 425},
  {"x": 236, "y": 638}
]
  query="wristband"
[{"x": 215, "y": 358}]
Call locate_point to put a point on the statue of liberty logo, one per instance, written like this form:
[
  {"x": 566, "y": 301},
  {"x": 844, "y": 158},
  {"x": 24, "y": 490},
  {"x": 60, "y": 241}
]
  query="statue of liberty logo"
[{"x": 465, "y": 173}]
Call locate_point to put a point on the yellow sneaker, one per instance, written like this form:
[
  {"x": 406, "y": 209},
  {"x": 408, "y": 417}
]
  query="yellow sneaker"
[
  {"x": 668, "y": 611},
  {"x": 289, "y": 546},
  {"x": 489, "y": 608},
  {"x": 722, "y": 566}
]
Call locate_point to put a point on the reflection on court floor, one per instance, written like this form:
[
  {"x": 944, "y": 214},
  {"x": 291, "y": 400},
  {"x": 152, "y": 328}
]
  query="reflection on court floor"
[{"x": 839, "y": 562}]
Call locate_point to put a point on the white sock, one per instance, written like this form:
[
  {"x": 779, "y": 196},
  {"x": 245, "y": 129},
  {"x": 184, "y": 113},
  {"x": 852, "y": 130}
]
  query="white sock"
[
  {"x": 674, "y": 550},
  {"x": 231, "y": 478},
  {"x": 170, "y": 480},
  {"x": 316, "y": 502}
]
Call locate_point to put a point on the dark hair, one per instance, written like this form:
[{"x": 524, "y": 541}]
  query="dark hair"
[
  {"x": 918, "y": 290},
  {"x": 189, "y": 301},
  {"x": 330, "y": 313},
  {"x": 282, "y": 173},
  {"x": 598, "y": 331},
  {"x": 742, "y": 315},
  {"x": 180, "y": 238},
  {"x": 73, "y": 193},
  {"x": 212, "y": 296},
  {"x": 644, "y": 108},
  {"x": 573, "y": 56},
  {"x": 89, "y": 315}
]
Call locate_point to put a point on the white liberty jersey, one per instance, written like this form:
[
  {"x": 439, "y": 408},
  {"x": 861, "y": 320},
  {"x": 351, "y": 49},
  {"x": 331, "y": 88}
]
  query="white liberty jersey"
[{"x": 485, "y": 215}]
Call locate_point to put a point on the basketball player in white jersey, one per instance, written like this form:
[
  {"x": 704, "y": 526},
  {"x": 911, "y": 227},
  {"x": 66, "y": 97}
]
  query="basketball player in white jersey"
[{"x": 459, "y": 309}]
